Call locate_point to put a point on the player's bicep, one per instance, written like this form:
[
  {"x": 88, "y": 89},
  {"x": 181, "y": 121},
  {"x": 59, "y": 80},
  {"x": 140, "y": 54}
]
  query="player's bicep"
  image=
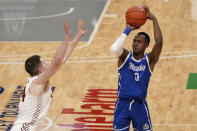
[{"x": 123, "y": 56}]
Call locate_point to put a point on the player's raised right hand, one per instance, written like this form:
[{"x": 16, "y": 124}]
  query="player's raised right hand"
[{"x": 150, "y": 15}]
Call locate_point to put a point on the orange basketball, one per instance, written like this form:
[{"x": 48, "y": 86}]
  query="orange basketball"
[{"x": 136, "y": 16}]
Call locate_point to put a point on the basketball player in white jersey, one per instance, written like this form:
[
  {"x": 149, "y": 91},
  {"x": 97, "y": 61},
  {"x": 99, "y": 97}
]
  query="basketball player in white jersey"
[{"x": 36, "y": 98}]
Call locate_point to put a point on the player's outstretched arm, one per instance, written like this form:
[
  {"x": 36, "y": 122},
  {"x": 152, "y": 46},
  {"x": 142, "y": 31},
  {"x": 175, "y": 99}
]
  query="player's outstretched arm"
[
  {"x": 156, "y": 51},
  {"x": 81, "y": 32},
  {"x": 117, "y": 47},
  {"x": 57, "y": 60}
]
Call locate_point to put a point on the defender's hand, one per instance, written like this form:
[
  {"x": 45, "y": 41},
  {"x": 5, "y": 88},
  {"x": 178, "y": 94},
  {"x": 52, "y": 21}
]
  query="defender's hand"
[{"x": 81, "y": 31}]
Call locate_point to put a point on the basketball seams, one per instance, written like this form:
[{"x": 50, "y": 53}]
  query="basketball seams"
[
  {"x": 133, "y": 12},
  {"x": 141, "y": 11},
  {"x": 136, "y": 16}
]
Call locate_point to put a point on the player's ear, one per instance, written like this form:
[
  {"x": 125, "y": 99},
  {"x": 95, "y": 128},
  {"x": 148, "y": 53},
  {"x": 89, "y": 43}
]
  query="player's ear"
[{"x": 40, "y": 69}]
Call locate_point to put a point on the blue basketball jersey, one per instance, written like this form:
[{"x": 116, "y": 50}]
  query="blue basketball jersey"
[{"x": 134, "y": 76}]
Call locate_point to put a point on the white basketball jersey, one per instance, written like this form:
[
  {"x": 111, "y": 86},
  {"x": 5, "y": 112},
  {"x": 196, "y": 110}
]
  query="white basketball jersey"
[{"x": 32, "y": 109}]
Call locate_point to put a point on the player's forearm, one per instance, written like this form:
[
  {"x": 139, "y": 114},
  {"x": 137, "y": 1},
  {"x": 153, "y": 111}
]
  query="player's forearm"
[
  {"x": 71, "y": 46},
  {"x": 157, "y": 32},
  {"x": 60, "y": 53},
  {"x": 116, "y": 47}
]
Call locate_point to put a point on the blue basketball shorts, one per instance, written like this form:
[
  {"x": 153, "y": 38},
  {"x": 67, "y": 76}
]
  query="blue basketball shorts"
[{"x": 131, "y": 111}]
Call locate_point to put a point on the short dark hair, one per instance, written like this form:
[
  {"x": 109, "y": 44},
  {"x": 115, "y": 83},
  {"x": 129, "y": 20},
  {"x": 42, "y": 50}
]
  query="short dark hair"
[
  {"x": 147, "y": 38},
  {"x": 32, "y": 65}
]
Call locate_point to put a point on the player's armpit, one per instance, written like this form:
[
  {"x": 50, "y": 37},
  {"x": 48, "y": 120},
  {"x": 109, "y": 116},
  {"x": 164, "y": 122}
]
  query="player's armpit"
[
  {"x": 123, "y": 57},
  {"x": 36, "y": 89}
]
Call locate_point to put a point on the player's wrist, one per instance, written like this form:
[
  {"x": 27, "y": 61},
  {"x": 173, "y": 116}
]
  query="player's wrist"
[
  {"x": 154, "y": 19},
  {"x": 127, "y": 31}
]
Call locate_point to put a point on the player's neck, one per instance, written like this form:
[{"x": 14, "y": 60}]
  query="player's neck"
[{"x": 138, "y": 56}]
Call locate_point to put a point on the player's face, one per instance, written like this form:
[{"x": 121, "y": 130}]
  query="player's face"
[
  {"x": 43, "y": 65},
  {"x": 139, "y": 44}
]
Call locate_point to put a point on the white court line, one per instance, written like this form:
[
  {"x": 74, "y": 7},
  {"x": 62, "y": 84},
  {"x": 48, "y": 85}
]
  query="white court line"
[
  {"x": 91, "y": 61},
  {"x": 11, "y": 63},
  {"x": 26, "y": 42},
  {"x": 39, "y": 17},
  {"x": 50, "y": 123},
  {"x": 176, "y": 125},
  {"x": 105, "y": 31},
  {"x": 157, "y": 125},
  {"x": 180, "y": 52},
  {"x": 48, "y": 53},
  {"x": 40, "y": 53},
  {"x": 110, "y": 15},
  {"x": 96, "y": 61},
  {"x": 166, "y": 1},
  {"x": 92, "y": 57},
  {"x": 80, "y": 61},
  {"x": 110, "y": 23},
  {"x": 96, "y": 27},
  {"x": 83, "y": 57},
  {"x": 181, "y": 56}
]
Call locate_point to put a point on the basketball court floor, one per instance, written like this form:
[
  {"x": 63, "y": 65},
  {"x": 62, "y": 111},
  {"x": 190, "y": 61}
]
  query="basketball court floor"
[{"x": 84, "y": 89}]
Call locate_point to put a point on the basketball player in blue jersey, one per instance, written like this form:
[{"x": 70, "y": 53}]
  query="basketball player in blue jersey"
[{"x": 135, "y": 69}]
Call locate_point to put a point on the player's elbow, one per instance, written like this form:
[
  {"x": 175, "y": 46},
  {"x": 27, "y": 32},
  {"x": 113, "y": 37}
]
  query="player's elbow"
[
  {"x": 112, "y": 49},
  {"x": 116, "y": 52},
  {"x": 160, "y": 42}
]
